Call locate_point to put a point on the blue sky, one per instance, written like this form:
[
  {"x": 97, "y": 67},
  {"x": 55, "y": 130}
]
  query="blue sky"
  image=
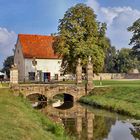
[{"x": 42, "y": 16}]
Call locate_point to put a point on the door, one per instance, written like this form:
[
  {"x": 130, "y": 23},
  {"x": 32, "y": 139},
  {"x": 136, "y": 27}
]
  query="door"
[{"x": 47, "y": 76}]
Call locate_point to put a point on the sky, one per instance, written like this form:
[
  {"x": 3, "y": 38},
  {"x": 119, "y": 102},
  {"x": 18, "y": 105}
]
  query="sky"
[{"x": 42, "y": 17}]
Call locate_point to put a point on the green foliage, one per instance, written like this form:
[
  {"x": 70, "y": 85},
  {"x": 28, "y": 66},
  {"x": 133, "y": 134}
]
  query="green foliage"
[
  {"x": 135, "y": 29},
  {"x": 80, "y": 36},
  {"x": 111, "y": 60},
  {"x": 120, "y": 61},
  {"x": 7, "y": 65},
  {"x": 135, "y": 40},
  {"x": 125, "y": 61}
]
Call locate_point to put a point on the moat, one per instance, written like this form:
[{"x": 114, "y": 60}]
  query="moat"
[{"x": 87, "y": 123}]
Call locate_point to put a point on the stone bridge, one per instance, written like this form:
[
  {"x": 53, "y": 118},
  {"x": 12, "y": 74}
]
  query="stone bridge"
[
  {"x": 50, "y": 90},
  {"x": 70, "y": 91}
]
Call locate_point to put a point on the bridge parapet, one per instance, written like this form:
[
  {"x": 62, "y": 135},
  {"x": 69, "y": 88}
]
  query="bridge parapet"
[{"x": 50, "y": 90}]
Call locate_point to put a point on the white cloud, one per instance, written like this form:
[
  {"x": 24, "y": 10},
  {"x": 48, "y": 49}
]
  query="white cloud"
[
  {"x": 94, "y": 4},
  {"x": 7, "y": 41},
  {"x": 118, "y": 19}
]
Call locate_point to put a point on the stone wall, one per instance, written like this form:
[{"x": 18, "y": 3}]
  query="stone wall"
[
  {"x": 132, "y": 76},
  {"x": 109, "y": 76}
]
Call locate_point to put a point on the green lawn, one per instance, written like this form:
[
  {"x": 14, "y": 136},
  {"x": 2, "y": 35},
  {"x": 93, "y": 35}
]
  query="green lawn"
[
  {"x": 119, "y": 82},
  {"x": 123, "y": 98},
  {"x": 4, "y": 85},
  {"x": 18, "y": 121}
]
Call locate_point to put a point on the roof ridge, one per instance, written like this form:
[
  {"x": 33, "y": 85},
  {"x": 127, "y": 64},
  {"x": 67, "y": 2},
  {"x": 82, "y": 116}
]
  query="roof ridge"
[{"x": 20, "y": 34}]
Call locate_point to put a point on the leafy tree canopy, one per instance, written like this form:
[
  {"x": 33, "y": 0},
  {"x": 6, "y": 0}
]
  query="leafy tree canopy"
[
  {"x": 120, "y": 60},
  {"x": 125, "y": 61},
  {"x": 111, "y": 60},
  {"x": 7, "y": 65},
  {"x": 135, "y": 40},
  {"x": 80, "y": 36}
]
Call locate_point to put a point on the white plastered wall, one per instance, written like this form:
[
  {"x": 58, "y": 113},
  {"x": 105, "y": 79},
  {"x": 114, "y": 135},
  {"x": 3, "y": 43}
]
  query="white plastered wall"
[
  {"x": 19, "y": 61},
  {"x": 45, "y": 65}
]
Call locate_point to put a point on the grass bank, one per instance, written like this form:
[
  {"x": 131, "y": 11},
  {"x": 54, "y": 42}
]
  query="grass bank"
[
  {"x": 18, "y": 121},
  {"x": 121, "y": 99}
]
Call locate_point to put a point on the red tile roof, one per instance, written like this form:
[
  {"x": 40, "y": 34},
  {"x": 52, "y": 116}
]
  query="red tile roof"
[{"x": 38, "y": 46}]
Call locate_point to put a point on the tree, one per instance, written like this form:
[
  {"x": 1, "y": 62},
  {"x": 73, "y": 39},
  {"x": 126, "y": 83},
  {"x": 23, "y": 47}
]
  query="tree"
[
  {"x": 7, "y": 65},
  {"x": 111, "y": 60},
  {"x": 80, "y": 36},
  {"x": 135, "y": 40},
  {"x": 126, "y": 61},
  {"x": 120, "y": 60},
  {"x": 110, "y": 64}
]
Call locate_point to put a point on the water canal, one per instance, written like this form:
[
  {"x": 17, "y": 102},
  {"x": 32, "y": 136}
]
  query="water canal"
[{"x": 83, "y": 122}]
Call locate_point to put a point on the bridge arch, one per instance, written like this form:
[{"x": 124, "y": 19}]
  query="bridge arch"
[
  {"x": 35, "y": 96},
  {"x": 67, "y": 96},
  {"x": 63, "y": 101},
  {"x": 37, "y": 100}
]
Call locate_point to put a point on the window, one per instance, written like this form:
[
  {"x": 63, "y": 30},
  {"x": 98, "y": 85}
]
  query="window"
[
  {"x": 59, "y": 62},
  {"x": 32, "y": 76},
  {"x": 56, "y": 76}
]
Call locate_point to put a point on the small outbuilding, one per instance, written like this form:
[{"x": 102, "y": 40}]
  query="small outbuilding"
[{"x": 35, "y": 58}]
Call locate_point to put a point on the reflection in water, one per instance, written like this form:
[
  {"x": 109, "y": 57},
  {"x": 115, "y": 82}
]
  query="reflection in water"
[
  {"x": 58, "y": 103},
  {"x": 135, "y": 133},
  {"x": 121, "y": 131},
  {"x": 92, "y": 124},
  {"x": 65, "y": 105}
]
